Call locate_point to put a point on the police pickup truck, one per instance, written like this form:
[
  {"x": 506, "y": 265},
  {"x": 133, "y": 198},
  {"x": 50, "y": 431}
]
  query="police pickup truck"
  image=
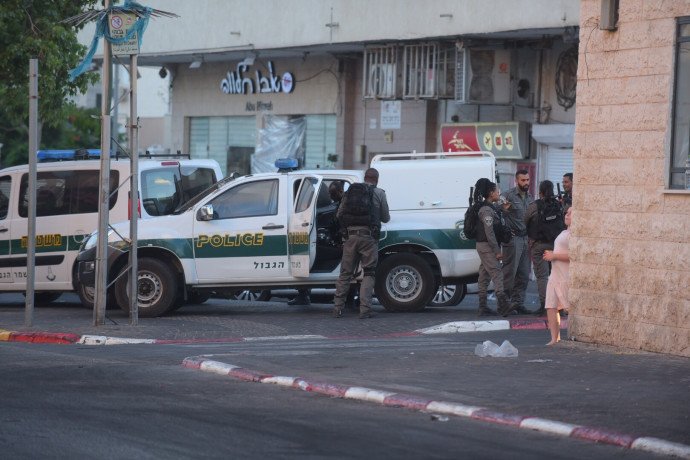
[{"x": 269, "y": 231}]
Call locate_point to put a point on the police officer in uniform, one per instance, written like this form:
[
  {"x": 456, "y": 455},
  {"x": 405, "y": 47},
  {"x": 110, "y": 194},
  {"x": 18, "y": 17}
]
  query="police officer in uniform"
[
  {"x": 361, "y": 245},
  {"x": 488, "y": 247},
  {"x": 516, "y": 263},
  {"x": 567, "y": 199},
  {"x": 539, "y": 242}
]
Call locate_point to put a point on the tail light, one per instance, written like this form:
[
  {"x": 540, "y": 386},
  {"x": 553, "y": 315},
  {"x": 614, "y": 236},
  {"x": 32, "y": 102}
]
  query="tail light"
[{"x": 129, "y": 209}]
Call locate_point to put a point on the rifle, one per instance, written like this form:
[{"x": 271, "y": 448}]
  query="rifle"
[{"x": 560, "y": 194}]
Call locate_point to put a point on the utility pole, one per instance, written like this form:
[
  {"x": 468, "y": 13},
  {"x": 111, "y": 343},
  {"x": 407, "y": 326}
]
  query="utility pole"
[
  {"x": 134, "y": 192},
  {"x": 103, "y": 193},
  {"x": 33, "y": 149}
]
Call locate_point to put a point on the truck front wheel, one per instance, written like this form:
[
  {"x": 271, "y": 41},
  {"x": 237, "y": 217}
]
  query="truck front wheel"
[
  {"x": 157, "y": 288},
  {"x": 404, "y": 283}
]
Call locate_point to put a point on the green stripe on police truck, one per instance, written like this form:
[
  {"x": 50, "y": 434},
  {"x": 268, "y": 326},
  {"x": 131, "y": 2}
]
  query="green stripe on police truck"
[
  {"x": 298, "y": 243},
  {"x": 240, "y": 245},
  {"x": 435, "y": 239}
]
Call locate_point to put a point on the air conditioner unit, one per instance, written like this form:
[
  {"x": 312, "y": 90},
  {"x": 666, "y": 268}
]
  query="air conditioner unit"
[
  {"x": 381, "y": 82},
  {"x": 482, "y": 76}
]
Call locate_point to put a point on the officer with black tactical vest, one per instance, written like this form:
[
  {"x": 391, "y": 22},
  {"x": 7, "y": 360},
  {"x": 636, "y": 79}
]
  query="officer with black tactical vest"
[
  {"x": 544, "y": 222},
  {"x": 360, "y": 214},
  {"x": 488, "y": 247}
]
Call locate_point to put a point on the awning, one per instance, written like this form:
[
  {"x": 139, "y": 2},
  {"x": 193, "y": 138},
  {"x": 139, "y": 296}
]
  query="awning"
[{"x": 561, "y": 136}]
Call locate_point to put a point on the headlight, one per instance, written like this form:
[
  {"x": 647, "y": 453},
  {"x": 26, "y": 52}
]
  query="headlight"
[{"x": 92, "y": 240}]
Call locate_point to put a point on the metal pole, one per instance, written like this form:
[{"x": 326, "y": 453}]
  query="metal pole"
[
  {"x": 115, "y": 122},
  {"x": 103, "y": 194},
  {"x": 134, "y": 191},
  {"x": 31, "y": 236}
]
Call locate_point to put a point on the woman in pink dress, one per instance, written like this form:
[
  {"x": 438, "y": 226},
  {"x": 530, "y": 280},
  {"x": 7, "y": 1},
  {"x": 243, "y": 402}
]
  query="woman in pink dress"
[{"x": 557, "y": 289}]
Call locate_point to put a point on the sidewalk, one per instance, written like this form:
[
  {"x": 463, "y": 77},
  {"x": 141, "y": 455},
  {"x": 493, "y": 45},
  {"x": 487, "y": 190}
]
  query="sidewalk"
[{"x": 220, "y": 319}]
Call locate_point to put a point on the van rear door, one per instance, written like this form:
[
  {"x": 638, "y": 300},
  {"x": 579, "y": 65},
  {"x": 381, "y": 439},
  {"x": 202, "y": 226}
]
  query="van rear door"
[{"x": 5, "y": 257}]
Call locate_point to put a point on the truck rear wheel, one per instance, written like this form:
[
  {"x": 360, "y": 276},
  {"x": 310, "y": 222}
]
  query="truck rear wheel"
[
  {"x": 404, "y": 283},
  {"x": 157, "y": 288},
  {"x": 86, "y": 295},
  {"x": 448, "y": 295}
]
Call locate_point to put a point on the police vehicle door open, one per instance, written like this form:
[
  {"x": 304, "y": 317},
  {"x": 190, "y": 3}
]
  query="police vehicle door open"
[{"x": 302, "y": 229}]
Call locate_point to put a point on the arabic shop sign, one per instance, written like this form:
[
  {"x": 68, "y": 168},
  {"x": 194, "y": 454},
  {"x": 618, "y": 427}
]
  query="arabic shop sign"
[
  {"x": 239, "y": 81},
  {"x": 502, "y": 139}
]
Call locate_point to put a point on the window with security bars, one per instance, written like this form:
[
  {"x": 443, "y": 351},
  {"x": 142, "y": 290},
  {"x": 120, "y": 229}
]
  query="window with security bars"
[
  {"x": 380, "y": 72},
  {"x": 428, "y": 71},
  {"x": 680, "y": 145}
]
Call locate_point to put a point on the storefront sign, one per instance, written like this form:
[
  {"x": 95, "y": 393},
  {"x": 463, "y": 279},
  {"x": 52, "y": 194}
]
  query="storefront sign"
[
  {"x": 260, "y": 106},
  {"x": 238, "y": 83},
  {"x": 501, "y": 139}
]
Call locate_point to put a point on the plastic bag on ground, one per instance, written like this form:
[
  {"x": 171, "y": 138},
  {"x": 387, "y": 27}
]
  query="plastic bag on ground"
[
  {"x": 506, "y": 350},
  {"x": 488, "y": 348}
]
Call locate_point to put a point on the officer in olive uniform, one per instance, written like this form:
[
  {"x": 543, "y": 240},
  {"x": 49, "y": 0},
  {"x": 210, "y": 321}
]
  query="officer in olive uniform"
[
  {"x": 539, "y": 242},
  {"x": 361, "y": 245},
  {"x": 488, "y": 248},
  {"x": 516, "y": 263}
]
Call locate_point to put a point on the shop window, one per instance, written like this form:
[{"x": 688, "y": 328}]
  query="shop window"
[
  {"x": 228, "y": 140},
  {"x": 320, "y": 142},
  {"x": 681, "y": 107}
]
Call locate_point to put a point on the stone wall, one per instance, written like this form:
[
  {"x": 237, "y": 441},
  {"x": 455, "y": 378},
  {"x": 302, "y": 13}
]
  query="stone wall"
[{"x": 630, "y": 252}]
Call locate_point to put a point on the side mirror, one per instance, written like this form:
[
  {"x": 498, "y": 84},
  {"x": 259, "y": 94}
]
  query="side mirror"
[{"x": 205, "y": 212}]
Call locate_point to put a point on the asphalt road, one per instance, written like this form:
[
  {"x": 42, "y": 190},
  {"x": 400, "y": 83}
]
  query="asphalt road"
[{"x": 137, "y": 401}]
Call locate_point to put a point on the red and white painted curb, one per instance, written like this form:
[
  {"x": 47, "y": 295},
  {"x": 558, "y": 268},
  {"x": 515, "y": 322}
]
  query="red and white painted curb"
[
  {"x": 446, "y": 328},
  {"x": 647, "y": 444}
]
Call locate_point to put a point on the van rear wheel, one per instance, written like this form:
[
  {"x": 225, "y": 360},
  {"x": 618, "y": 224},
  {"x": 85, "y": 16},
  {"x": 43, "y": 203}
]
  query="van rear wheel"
[
  {"x": 404, "y": 283},
  {"x": 157, "y": 288}
]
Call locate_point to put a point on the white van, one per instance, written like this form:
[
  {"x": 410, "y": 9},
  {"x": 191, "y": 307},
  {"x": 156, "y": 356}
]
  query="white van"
[
  {"x": 67, "y": 211},
  {"x": 266, "y": 231}
]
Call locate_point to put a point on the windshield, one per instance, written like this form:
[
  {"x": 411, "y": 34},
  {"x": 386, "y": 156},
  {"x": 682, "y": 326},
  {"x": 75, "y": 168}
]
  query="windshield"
[{"x": 165, "y": 189}]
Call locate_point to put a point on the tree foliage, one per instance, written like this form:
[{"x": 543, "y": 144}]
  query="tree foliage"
[{"x": 31, "y": 29}]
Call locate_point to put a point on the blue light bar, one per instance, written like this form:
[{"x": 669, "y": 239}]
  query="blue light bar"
[
  {"x": 64, "y": 155},
  {"x": 286, "y": 164}
]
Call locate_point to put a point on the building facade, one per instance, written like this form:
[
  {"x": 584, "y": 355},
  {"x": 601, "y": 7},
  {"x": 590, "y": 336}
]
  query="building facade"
[
  {"x": 630, "y": 250},
  {"x": 366, "y": 78}
]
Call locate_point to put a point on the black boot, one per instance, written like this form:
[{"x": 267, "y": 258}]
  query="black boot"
[
  {"x": 484, "y": 310},
  {"x": 504, "y": 307},
  {"x": 541, "y": 311},
  {"x": 301, "y": 299}
]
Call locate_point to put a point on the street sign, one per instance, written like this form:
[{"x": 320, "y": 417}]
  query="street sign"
[{"x": 119, "y": 24}]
